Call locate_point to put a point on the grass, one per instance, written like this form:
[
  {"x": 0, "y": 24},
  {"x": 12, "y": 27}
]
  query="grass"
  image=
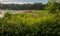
[{"x": 43, "y": 24}]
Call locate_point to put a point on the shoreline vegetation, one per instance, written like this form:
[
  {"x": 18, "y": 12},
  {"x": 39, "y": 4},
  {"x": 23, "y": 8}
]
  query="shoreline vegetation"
[
  {"x": 32, "y": 22},
  {"x": 44, "y": 24}
]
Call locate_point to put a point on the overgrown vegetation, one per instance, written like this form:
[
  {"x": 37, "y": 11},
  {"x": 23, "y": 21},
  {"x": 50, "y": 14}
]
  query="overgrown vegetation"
[
  {"x": 43, "y": 24},
  {"x": 29, "y": 25}
]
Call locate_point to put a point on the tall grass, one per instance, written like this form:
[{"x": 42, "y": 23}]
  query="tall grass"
[{"x": 29, "y": 25}]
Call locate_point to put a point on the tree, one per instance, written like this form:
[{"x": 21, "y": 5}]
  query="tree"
[{"x": 52, "y": 6}]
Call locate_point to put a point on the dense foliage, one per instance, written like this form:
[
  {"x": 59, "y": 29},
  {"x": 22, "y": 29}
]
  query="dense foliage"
[
  {"x": 53, "y": 6},
  {"x": 43, "y": 24},
  {"x": 36, "y": 23}
]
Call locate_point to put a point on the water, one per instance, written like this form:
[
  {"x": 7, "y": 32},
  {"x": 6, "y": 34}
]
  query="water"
[{"x": 14, "y": 11}]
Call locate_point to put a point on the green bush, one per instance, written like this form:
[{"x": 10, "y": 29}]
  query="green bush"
[{"x": 52, "y": 6}]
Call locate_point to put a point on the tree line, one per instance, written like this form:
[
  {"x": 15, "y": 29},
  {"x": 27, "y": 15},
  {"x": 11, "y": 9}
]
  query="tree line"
[{"x": 35, "y": 6}]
